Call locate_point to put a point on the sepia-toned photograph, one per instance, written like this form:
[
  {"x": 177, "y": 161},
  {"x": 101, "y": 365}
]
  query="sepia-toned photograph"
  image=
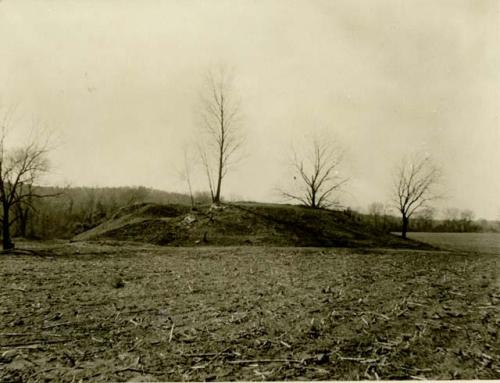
[{"x": 249, "y": 190}]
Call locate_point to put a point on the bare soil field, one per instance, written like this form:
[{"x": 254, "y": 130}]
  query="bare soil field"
[{"x": 125, "y": 312}]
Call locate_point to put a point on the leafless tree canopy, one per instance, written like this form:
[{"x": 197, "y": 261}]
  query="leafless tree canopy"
[
  {"x": 222, "y": 136},
  {"x": 316, "y": 174},
  {"x": 415, "y": 181},
  {"x": 20, "y": 168}
]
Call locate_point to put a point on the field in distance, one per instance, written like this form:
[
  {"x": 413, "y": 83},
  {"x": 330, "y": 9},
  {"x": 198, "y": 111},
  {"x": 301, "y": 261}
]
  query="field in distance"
[
  {"x": 473, "y": 242},
  {"x": 93, "y": 311}
]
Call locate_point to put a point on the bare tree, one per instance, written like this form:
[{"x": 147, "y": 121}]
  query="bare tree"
[
  {"x": 185, "y": 174},
  {"x": 414, "y": 185},
  {"x": 316, "y": 174},
  {"x": 20, "y": 168},
  {"x": 221, "y": 136}
]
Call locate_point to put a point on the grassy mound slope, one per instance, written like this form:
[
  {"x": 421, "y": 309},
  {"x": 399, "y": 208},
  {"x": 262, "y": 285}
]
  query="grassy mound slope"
[{"x": 240, "y": 224}]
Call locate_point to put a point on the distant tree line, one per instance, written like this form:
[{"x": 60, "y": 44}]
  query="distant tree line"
[{"x": 380, "y": 217}]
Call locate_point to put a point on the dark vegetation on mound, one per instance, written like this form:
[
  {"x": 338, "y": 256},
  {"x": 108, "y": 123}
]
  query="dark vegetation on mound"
[{"x": 241, "y": 224}]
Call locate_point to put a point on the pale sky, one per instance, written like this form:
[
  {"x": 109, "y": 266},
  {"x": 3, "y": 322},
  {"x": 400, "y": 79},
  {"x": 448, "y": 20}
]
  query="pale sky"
[{"x": 119, "y": 81}]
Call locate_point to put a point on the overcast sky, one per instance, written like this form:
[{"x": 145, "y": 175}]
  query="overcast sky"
[{"x": 119, "y": 82}]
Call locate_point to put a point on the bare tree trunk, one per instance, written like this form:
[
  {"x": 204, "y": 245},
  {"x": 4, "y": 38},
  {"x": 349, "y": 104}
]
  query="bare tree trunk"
[
  {"x": 6, "y": 240},
  {"x": 314, "y": 205},
  {"x": 191, "y": 197},
  {"x": 219, "y": 176},
  {"x": 185, "y": 174},
  {"x": 404, "y": 228}
]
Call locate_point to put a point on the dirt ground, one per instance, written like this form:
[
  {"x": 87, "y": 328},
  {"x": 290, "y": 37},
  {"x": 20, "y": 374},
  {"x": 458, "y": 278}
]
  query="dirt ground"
[{"x": 125, "y": 312}]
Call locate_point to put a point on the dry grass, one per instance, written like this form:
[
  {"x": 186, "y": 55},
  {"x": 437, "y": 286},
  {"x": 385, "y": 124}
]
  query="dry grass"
[{"x": 99, "y": 312}]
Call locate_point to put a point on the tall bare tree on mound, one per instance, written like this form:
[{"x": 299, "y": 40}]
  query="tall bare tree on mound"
[
  {"x": 221, "y": 136},
  {"x": 20, "y": 168},
  {"x": 414, "y": 187},
  {"x": 316, "y": 174}
]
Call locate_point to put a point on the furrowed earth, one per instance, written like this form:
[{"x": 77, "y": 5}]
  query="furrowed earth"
[{"x": 127, "y": 311}]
